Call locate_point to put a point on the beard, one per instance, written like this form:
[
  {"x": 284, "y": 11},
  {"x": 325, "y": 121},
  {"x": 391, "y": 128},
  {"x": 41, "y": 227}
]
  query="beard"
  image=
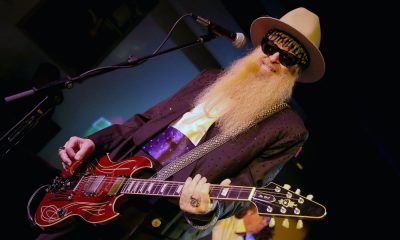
[{"x": 245, "y": 91}]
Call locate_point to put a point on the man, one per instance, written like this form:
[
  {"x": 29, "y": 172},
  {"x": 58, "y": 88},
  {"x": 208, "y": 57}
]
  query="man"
[
  {"x": 214, "y": 103},
  {"x": 239, "y": 227}
]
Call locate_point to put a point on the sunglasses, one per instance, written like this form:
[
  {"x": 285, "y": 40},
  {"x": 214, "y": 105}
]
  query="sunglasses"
[{"x": 285, "y": 58}]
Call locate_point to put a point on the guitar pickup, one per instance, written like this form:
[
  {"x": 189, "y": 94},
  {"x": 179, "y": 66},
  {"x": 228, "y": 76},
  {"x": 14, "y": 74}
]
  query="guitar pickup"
[
  {"x": 116, "y": 186},
  {"x": 92, "y": 185}
]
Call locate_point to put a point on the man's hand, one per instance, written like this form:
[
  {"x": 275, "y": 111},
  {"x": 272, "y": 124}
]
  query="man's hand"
[
  {"x": 75, "y": 149},
  {"x": 195, "y": 197}
]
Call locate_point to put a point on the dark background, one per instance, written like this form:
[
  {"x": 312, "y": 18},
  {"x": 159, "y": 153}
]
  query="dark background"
[{"x": 350, "y": 163}]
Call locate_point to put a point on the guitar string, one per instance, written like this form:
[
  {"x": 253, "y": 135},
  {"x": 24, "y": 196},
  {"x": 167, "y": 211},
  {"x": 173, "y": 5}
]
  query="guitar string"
[
  {"x": 111, "y": 179},
  {"x": 171, "y": 184},
  {"x": 156, "y": 182}
]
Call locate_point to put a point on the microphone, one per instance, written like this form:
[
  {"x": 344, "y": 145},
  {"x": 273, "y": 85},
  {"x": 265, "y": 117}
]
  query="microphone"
[{"x": 238, "y": 39}]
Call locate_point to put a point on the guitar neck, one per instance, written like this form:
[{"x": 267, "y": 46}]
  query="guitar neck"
[{"x": 174, "y": 189}]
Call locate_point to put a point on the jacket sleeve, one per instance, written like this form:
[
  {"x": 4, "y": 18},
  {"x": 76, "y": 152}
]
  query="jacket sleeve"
[
  {"x": 110, "y": 137},
  {"x": 268, "y": 163},
  {"x": 263, "y": 168}
]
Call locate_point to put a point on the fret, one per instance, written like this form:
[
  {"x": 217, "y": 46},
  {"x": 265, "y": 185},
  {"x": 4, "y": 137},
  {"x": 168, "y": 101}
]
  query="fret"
[
  {"x": 157, "y": 188},
  {"x": 215, "y": 191},
  {"x": 178, "y": 190},
  {"x": 125, "y": 186},
  {"x": 131, "y": 185},
  {"x": 245, "y": 192},
  {"x": 224, "y": 191},
  {"x": 231, "y": 192},
  {"x": 135, "y": 187},
  {"x": 142, "y": 186},
  {"x": 128, "y": 186},
  {"x": 174, "y": 189},
  {"x": 253, "y": 190},
  {"x": 234, "y": 193},
  {"x": 163, "y": 187},
  {"x": 169, "y": 189},
  {"x": 150, "y": 187}
]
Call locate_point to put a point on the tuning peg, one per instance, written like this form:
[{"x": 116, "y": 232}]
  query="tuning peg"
[
  {"x": 285, "y": 223},
  {"x": 309, "y": 196},
  {"x": 297, "y": 191},
  {"x": 271, "y": 222},
  {"x": 299, "y": 224},
  {"x": 286, "y": 186}
]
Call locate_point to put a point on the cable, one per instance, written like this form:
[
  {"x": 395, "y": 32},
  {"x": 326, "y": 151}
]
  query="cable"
[
  {"x": 157, "y": 49},
  {"x": 28, "y": 205}
]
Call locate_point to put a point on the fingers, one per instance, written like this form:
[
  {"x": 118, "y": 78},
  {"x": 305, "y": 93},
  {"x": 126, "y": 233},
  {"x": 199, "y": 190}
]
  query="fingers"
[
  {"x": 184, "y": 200},
  {"x": 66, "y": 161},
  {"x": 195, "y": 190},
  {"x": 86, "y": 148},
  {"x": 188, "y": 190},
  {"x": 201, "y": 192},
  {"x": 226, "y": 182},
  {"x": 75, "y": 149}
]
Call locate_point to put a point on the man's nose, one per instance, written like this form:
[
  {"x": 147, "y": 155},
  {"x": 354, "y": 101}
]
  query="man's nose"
[{"x": 274, "y": 57}]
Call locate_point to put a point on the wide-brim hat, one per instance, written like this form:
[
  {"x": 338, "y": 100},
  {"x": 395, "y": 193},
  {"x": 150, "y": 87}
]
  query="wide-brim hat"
[{"x": 304, "y": 26}]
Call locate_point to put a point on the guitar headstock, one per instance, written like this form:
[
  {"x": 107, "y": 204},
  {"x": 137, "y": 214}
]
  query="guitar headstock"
[{"x": 275, "y": 200}]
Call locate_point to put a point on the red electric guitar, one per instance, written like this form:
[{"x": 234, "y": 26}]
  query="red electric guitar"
[{"x": 90, "y": 190}]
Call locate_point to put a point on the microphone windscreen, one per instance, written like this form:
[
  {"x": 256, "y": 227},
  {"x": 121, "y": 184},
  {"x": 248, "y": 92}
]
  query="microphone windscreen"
[{"x": 240, "y": 40}]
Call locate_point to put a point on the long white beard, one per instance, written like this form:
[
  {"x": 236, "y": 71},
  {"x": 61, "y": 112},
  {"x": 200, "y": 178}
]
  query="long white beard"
[{"x": 243, "y": 92}]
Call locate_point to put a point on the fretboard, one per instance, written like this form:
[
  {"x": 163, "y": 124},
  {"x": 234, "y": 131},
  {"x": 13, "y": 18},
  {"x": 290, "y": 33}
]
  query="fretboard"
[{"x": 174, "y": 189}]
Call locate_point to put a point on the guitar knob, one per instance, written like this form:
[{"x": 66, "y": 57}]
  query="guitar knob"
[
  {"x": 309, "y": 196},
  {"x": 285, "y": 223},
  {"x": 297, "y": 191},
  {"x": 299, "y": 224},
  {"x": 60, "y": 212},
  {"x": 286, "y": 186},
  {"x": 271, "y": 222}
]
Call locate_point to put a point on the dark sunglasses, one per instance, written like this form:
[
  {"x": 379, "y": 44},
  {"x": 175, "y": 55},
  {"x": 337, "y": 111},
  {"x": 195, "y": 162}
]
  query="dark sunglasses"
[{"x": 285, "y": 58}]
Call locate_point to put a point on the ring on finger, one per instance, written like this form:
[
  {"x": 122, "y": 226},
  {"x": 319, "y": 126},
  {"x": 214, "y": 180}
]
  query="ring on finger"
[{"x": 194, "y": 202}]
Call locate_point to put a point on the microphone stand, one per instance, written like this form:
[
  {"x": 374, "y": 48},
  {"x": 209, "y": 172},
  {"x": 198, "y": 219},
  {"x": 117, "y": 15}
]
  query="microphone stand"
[
  {"x": 68, "y": 81},
  {"x": 17, "y": 132}
]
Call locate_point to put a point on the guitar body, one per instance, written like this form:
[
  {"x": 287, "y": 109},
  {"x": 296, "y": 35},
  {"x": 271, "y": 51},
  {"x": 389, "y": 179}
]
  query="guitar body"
[{"x": 88, "y": 189}]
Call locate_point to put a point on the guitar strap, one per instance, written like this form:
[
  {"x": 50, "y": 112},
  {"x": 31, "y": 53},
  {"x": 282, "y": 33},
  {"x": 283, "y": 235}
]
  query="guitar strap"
[{"x": 210, "y": 145}]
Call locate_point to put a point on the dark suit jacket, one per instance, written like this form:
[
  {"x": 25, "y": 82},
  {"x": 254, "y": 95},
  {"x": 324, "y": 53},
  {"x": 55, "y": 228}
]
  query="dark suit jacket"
[{"x": 246, "y": 160}]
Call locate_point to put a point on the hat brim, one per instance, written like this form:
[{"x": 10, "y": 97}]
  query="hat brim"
[{"x": 315, "y": 70}]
